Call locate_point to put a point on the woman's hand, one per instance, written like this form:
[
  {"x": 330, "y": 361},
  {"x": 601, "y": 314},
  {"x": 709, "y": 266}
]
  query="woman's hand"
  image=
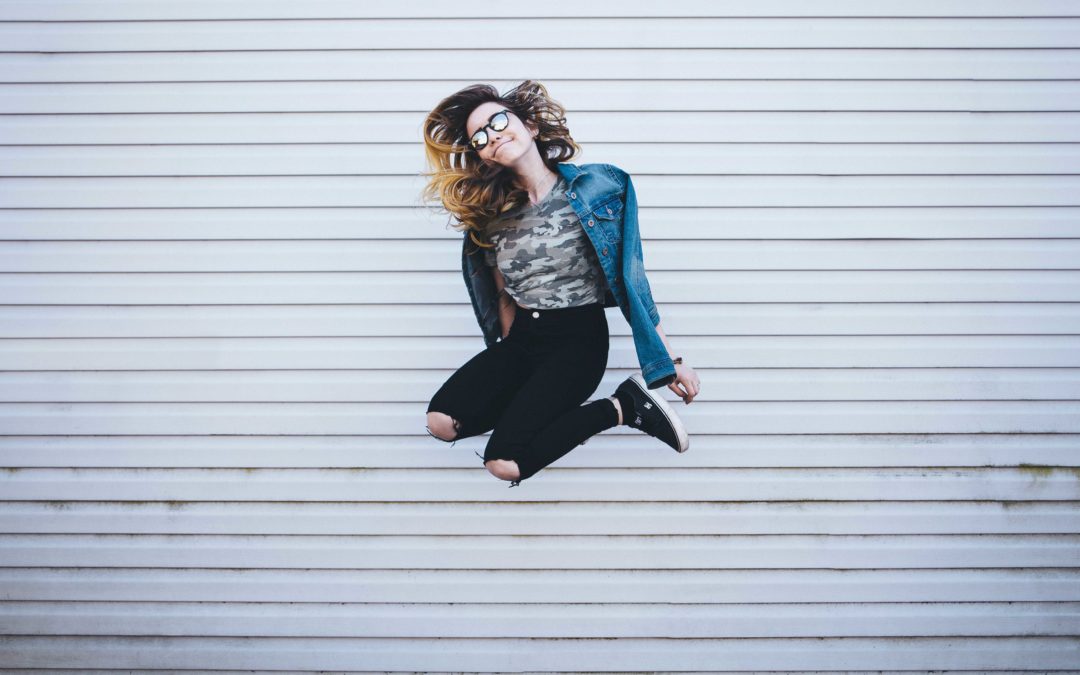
[{"x": 686, "y": 378}]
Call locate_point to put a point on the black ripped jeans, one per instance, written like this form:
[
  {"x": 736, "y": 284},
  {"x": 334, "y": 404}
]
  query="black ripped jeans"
[{"x": 528, "y": 389}]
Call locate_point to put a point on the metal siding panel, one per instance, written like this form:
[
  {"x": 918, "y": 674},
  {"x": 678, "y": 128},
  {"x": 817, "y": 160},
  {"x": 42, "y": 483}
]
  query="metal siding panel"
[
  {"x": 600, "y": 125},
  {"x": 707, "y": 417},
  {"x": 252, "y": 289},
  {"x": 705, "y": 95},
  {"x": 543, "y": 552},
  {"x": 667, "y": 190},
  {"x": 539, "y": 518},
  {"x": 605, "y": 451},
  {"x": 375, "y": 385},
  {"x": 105, "y": 10},
  {"x": 342, "y": 263},
  {"x": 669, "y": 483},
  {"x": 523, "y": 654},
  {"x": 475, "y": 620},
  {"x": 635, "y": 157},
  {"x": 722, "y": 224},
  {"x": 794, "y": 334},
  {"x": 596, "y": 30},
  {"x": 530, "y": 586},
  {"x": 415, "y": 63}
]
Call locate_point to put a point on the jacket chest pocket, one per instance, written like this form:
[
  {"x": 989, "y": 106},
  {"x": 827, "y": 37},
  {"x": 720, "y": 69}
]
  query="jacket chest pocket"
[{"x": 608, "y": 218}]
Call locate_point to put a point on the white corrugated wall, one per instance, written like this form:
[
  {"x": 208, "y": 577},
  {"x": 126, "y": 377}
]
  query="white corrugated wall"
[{"x": 223, "y": 315}]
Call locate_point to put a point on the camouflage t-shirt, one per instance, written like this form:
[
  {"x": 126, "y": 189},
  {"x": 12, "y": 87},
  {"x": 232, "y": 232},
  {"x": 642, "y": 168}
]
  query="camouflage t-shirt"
[{"x": 544, "y": 255}]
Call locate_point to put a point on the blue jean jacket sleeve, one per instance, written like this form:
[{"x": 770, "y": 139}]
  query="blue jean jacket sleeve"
[
  {"x": 635, "y": 257},
  {"x": 656, "y": 365}
]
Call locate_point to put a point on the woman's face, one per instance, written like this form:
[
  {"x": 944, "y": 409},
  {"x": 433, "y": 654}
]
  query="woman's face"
[{"x": 504, "y": 147}]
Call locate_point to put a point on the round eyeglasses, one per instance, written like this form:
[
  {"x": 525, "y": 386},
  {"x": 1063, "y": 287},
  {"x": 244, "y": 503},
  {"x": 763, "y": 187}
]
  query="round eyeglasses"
[{"x": 496, "y": 122}]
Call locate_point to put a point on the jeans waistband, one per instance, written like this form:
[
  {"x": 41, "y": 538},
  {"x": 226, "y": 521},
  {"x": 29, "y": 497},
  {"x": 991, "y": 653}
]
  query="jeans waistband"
[
  {"x": 584, "y": 322},
  {"x": 561, "y": 312}
]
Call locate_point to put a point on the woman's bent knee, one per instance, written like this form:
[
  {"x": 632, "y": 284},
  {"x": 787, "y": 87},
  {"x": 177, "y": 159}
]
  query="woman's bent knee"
[
  {"x": 442, "y": 426},
  {"x": 506, "y": 469}
]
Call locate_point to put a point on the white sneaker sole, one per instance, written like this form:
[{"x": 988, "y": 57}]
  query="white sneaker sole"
[{"x": 672, "y": 417}]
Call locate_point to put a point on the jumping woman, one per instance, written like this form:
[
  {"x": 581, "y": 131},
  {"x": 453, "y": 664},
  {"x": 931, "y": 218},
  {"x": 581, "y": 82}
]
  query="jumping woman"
[{"x": 547, "y": 246}]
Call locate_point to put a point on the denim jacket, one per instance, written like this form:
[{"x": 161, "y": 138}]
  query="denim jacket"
[{"x": 603, "y": 198}]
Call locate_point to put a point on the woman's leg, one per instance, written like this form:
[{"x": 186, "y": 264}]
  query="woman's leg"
[
  {"x": 545, "y": 419},
  {"x": 476, "y": 395}
]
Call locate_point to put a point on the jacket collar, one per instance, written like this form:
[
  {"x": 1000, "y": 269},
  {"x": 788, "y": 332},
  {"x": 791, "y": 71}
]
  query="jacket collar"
[{"x": 569, "y": 172}]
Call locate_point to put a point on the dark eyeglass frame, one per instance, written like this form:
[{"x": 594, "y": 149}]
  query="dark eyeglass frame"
[{"x": 490, "y": 124}]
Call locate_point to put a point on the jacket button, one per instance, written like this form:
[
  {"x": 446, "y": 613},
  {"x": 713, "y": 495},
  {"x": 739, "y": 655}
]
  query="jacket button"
[
  {"x": 536, "y": 315},
  {"x": 609, "y": 209},
  {"x": 605, "y": 250},
  {"x": 573, "y": 195},
  {"x": 590, "y": 222}
]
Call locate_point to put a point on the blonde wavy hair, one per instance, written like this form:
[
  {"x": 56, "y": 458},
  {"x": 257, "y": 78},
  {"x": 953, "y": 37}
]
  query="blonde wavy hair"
[{"x": 471, "y": 190}]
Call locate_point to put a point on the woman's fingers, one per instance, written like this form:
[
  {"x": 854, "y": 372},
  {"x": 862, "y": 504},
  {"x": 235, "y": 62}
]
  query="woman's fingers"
[
  {"x": 692, "y": 389},
  {"x": 686, "y": 386}
]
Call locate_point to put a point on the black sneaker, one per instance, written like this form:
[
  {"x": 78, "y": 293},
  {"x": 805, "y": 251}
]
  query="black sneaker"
[{"x": 652, "y": 414}]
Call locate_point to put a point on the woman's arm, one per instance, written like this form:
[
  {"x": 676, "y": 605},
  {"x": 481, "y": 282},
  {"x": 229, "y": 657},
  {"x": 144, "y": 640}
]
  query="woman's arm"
[
  {"x": 687, "y": 385},
  {"x": 664, "y": 339},
  {"x": 506, "y": 303}
]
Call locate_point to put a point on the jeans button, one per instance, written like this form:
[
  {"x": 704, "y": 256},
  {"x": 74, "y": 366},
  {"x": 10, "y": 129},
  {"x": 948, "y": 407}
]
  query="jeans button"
[{"x": 536, "y": 315}]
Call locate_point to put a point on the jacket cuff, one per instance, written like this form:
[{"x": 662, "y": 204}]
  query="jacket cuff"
[{"x": 659, "y": 373}]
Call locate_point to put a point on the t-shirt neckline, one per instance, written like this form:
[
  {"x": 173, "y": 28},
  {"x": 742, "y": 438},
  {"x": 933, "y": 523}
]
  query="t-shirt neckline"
[{"x": 550, "y": 193}]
